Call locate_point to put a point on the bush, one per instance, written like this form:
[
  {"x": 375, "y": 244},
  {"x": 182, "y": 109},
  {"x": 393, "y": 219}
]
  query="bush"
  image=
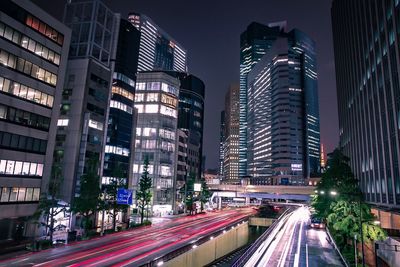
[
  {"x": 119, "y": 228},
  {"x": 44, "y": 244},
  {"x": 146, "y": 223}
]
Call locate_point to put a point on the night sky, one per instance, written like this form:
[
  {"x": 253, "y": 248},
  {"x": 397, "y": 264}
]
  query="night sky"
[{"x": 210, "y": 31}]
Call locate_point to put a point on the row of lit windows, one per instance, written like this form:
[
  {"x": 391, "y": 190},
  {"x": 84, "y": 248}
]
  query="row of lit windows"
[
  {"x": 25, "y": 92},
  {"x": 24, "y": 143},
  {"x": 27, "y": 67},
  {"x": 121, "y": 106},
  {"x": 12, "y": 167},
  {"x": 19, "y": 194},
  {"x": 163, "y": 170},
  {"x": 117, "y": 150},
  {"x": 146, "y": 131},
  {"x": 157, "y": 86},
  {"x": 152, "y": 108},
  {"x": 123, "y": 92},
  {"x": 29, "y": 44},
  {"x": 124, "y": 78},
  {"x": 44, "y": 29},
  {"x": 25, "y": 118},
  {"x": 62, "y": 122}
]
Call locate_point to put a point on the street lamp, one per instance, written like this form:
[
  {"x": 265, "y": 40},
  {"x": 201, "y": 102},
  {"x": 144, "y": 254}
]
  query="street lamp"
[{"x": 333, "y": 193}]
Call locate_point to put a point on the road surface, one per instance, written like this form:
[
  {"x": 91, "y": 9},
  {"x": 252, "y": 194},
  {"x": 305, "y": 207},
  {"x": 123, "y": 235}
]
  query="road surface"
[
  {"x": 293, "y": 243},
  {"x": 134, "y": 247}
]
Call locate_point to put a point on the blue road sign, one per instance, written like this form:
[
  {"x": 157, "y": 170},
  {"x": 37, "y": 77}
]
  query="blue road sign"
[{"x": 124, "y": 196}]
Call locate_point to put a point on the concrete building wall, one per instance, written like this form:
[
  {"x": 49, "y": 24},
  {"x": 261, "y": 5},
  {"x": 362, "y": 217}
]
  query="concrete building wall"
[{"x": 213, "y": 249}]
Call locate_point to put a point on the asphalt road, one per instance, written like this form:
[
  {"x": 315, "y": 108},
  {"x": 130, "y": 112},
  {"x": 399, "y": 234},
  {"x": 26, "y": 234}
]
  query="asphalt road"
[
  {"x": 293, "y": 243},
  {"x": 134, "y": 247}
]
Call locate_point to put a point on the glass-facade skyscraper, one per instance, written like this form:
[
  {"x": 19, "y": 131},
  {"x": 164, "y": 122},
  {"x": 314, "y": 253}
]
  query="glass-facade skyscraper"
[
  {"x": 254, "y": 43},
  {"x": 283, "y": 138},
  {"x": 158, "y": 50},
  {"x": 366, "y": 38}
]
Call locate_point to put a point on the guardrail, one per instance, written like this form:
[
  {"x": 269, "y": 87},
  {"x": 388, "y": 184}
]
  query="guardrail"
[
  {"x": 252, "y": 249},
  {"x": 336, "y": 248}
]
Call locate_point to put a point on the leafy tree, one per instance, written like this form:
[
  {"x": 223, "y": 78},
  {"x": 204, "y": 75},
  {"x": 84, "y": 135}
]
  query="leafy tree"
[
  {"x": 144, "y": 194},
  {"x": 49, "y": 204},
  {"x": 111, "y": 192},
  {"x": 89, "y": 200},
  {"x": 345, "y": 219},
  {"x": 205, "y": 193},
  {"x": 189, "y": 198},
  {"x": 338, "y": 177}
]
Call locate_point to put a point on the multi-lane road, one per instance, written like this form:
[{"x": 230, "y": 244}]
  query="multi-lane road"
[
  {"x": 293, "y": 243},
  {"x": 134, "y": 247}
]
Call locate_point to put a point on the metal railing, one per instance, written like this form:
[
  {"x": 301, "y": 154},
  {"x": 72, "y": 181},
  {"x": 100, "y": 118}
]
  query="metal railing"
[
  {"x": 336, "y": 248},
  {"x": 241, "y": 261}
]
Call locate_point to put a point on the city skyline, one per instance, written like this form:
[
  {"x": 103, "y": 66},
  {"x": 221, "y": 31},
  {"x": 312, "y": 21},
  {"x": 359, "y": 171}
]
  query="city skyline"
[{"x": 193, "y": 33}]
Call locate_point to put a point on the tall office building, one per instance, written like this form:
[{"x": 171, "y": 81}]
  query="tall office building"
[
  {"x": 158, "y": 50},
  {"x": 221, "y": 143},
  {"x": 33, "y": 57},
  {"x": 366, "y": 41},
  {"x": 191, "y": 118},
  {"x": 82, "y": 126},
  {"x": 121, "y": 129},
  {"x": 231, "y": 144},
  {"x": 156, "y": 98},
  {"x": 282, "y": 113},
  {"x": 254, "y": 43}
]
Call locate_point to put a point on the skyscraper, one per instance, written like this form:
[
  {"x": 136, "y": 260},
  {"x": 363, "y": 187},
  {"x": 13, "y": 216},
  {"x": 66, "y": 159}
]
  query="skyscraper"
[
  {"x": 156, "y": 99},
  {"x": 221, "y": 143},
  {"x": 366, "y": 42},
  {"x": 33, "y": 57},
  {"x": 158, "y": 50},
  {"x": 82, "y": 127},
  {"x": 231, "y": 134},
  {"x": 254, "y": 43},
  {"x": 191, "y": 118},
  {"x": 283, "y": 139}
]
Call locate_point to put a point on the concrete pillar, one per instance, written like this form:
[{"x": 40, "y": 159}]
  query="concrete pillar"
[
  {"x": 219, "y": 202},
  {"x": 247, "y": 200}
]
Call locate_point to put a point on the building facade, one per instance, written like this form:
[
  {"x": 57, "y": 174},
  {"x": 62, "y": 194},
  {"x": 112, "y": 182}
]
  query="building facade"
[
  {"x": 158, "y": 50},
  {"x": 231, "y": 134},
  {"x": 156, "y": 99},
  {"x": 191, "y": 118},
  {"x": 221, "y": 143},
  {"x": 283, "y": 114},
  {"x": 82, "y": 126},
  {"x": 366, "y": 38},
  {"x": 33, "y": 57},
  {"x": 254, "y": 44}
]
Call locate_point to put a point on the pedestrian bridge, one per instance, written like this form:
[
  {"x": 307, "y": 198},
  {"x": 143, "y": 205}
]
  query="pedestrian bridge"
[{"x": 275, "y": 192}]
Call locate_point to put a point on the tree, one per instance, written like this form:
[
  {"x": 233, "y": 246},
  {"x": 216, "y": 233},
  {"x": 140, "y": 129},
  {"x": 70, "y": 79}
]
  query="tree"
[
  {"x": 144, "y": 194},
  {"x": 205, "y": 193},
  {"x": 189, "y": 198},
  {"x": 111, "y": 192},
  {"x": 49, "y": 204},
  {"x": 89, "y": 200},
  {"x": 345, "y": 220},
  {"x": 338, "y": 177}
]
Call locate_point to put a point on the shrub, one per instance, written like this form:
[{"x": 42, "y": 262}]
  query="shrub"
[{"x": 146, "y": 222}]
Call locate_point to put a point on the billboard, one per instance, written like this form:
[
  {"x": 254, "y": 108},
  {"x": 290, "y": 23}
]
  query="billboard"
[{"x": 124, "y": 196}]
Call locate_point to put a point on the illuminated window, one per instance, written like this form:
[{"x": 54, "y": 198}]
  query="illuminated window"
[
  {"x": 140, "y": 108},
  {"x": 62, "y": 122},
  {"x": 168, "y": 111},
  {"x": 123, "y": 92},
  {"x": 140, "y": 86},
  {"x": 167, "y": 134},
  {"x": 121, "y": 106},
  {"x": 139, "y": 97},
  {"x": 165, "y": 171},
  {"x": 96, "y": 125},
  {"x": 153, "y": 86},
  {"x": 151, "y": 108},
  {"x": 149, "y": 131},
  {"x": 169, "y": 100},
  {"x": 117, "y": 150},
  {"x": 149, "y": 144},
  {"x": 152, "y": 97}
]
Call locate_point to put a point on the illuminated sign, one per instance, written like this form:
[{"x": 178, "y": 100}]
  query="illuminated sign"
[{"x": 297, "y": 167}]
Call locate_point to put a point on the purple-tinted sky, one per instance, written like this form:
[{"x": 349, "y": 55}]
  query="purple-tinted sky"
[{"x": 210, "y": 30}]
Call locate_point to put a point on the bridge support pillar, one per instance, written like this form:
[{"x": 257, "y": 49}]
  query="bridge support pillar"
[
  {"x": 247, "y": 201},
  {"x": 219, "y": 202}
]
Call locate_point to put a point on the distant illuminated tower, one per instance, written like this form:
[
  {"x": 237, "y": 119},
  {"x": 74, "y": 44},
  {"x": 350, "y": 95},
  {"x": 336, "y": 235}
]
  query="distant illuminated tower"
[
  {"x": 158, "y": 50},
  {"x": 322, "y": 156}
]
